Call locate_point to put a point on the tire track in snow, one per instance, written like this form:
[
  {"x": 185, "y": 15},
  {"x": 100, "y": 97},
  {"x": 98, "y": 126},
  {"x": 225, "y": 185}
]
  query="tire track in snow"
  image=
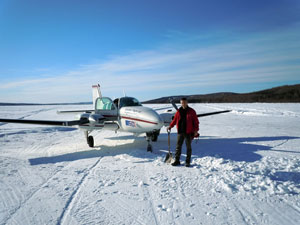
[
  {"x": 130, "y": 214},
  {"x": 72, "y": 199},
  {"x": 149, "y": 196},
  {"x": 133, "y": 213},
  {"x": 250, "y": 216},
  {"x": 294, "y": 207},
  {"x": 282, "y": 218},
  {"x": 150, "y": 200},
  {"x": 244, "y": 213},
  {"x": 125, "y": 207},
  {"x": 280, "y": 144},
  {"x": 29, "y": 196}
]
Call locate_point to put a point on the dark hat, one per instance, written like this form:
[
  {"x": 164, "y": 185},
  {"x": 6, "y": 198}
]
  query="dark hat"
[{"x": 183, "y": 99}]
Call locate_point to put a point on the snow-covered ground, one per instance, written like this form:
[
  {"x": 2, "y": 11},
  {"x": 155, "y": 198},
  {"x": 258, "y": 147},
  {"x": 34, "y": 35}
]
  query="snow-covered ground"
[{"x": 246, "y": 170}]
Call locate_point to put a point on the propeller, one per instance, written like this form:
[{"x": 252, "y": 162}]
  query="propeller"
[{"x": 173, "y": 103}]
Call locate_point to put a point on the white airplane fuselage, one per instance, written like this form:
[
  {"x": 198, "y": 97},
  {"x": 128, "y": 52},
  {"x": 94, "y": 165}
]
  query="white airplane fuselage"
[
  {"x": 139, "y": 119},
  {"x": 133, "y": 119}
]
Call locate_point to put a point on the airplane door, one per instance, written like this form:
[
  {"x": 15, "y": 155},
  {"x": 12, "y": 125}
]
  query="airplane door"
[{"x": 106, "y": 108}]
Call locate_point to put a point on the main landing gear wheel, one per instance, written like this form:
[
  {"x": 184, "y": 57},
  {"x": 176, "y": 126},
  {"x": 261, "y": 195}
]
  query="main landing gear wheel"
[
  {"x": 149, "y": 148},
  {"x": 151, "y": 136},
  {"x": 148, "y": 138},
  {"x": 154, "y": 137},
  {"x": 90, "y": 141}
]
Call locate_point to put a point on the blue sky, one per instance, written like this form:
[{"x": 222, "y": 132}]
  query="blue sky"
[{"x": 53, "y": 51}]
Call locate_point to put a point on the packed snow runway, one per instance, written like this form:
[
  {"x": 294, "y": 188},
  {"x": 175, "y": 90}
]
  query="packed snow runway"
[{"x": 246, "y": 170}]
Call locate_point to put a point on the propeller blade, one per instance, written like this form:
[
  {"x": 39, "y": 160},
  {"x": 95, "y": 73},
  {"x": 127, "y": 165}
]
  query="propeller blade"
[{"x": 173, "y": 103}]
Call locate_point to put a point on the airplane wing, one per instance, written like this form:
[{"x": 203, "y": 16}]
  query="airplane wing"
[
  {"x": 199, "y": 115},
  {"x": 158, "y": 109},
  {"x": 47, "y": 122},
  {"x": 212, "y": 113},
  {"x": 168, "y": 117},
  {"x": 76, "y": 111}
]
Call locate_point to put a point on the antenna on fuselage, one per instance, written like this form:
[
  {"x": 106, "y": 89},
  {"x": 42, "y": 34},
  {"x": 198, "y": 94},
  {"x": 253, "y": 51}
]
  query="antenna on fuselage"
[{"x": 124, "y": 93}]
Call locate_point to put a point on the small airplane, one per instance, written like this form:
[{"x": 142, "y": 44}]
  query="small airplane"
[{"x": 125, "y": 114}]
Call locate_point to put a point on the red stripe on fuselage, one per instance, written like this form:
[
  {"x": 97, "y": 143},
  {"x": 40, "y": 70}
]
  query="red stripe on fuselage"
[{"x": 145, "y": 121}]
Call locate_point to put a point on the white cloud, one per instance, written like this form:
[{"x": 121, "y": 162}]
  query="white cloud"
[{"x": 253, "y": 60}]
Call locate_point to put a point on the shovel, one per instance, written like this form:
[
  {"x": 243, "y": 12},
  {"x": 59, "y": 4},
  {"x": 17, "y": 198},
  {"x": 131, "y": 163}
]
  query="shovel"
[{"x": 169, "y": 156}]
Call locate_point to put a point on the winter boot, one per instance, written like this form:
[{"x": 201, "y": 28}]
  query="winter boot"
[
  {"x": 187, "y": 164},
  {"x": 176, "y": 163}
]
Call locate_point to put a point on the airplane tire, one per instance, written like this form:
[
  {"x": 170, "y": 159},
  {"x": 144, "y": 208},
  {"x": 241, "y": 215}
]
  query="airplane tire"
[
  {"x": 149, "y": 148},
  {"x": 154, "y": 137},
  {"x": 91, "y": 141}
]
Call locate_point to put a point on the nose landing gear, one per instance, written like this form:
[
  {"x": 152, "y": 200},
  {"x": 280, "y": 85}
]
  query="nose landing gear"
[
  {"x": 151, "y": 136},
  {"x": 149, "y": 147},
  {"x": 89, "y": 139}
]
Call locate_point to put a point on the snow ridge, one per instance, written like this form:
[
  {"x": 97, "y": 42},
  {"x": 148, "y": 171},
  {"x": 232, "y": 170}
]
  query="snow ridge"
[
  {"x": 245, "y": 170},
  {"x": 74, "y": 194}
]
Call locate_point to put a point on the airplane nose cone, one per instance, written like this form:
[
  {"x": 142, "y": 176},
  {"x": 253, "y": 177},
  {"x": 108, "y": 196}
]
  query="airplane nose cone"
[
  {"x": 152, "y": 118},
  {"x": 156, "y": 118}
]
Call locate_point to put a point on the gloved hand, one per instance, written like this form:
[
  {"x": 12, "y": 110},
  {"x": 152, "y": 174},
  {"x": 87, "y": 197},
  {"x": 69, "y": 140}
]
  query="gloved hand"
[{"x": 169, "y": 129}]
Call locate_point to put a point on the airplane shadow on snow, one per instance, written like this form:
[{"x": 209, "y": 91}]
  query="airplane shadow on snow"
[
  {"x": 136, "y": 148},
  {"x": 238, "y": 149},
  {"x": 235, "y": 149}
]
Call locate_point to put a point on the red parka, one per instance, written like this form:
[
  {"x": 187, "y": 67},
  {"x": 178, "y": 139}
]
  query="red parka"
[{"x": 192, "y": 122}]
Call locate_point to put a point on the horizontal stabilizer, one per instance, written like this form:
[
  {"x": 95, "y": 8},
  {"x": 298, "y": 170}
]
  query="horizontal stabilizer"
[
  {"x": 47, "y": 122},
  {"x": 213, "y": 113}
]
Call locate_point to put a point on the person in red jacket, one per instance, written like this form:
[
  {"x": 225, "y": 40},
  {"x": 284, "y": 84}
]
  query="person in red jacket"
[{"x": 187, "y": 124}]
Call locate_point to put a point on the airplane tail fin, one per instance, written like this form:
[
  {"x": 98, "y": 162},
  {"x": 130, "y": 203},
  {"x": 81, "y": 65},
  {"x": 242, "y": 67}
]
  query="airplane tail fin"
[{"x": 96, "y": 93}]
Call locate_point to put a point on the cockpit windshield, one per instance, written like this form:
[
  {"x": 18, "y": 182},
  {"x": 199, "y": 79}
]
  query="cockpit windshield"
[{"x": 129, "y": 101}]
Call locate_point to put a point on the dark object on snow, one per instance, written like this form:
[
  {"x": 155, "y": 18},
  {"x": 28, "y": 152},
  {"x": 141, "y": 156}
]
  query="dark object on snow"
[
  {"x": 176, "y": 163},
  {"x": 169, "y": 156}
]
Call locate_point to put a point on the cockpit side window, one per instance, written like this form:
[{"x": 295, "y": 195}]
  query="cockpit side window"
[
  {"x": 104, "y": 104},
  {"x": 116, "y": 101},
  {"x": 129, "y": 101}
]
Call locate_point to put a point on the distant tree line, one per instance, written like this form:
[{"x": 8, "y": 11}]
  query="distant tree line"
[{"x": 282, "y": 94}]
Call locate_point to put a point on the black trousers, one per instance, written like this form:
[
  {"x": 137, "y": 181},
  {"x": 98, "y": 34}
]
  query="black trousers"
[{"x": 188, "y": 142}]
